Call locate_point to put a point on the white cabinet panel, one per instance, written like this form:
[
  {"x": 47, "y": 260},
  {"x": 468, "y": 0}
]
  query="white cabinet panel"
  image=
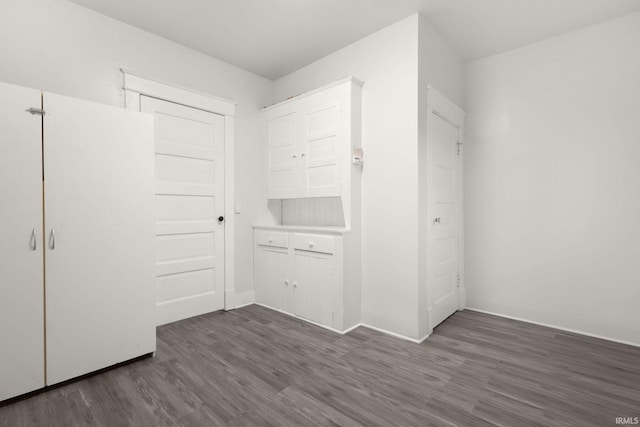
[
  {"x": 309, "y": 141},
  {"x": 282, "y": 136},
  {"x": 272, "y": 277},
  {"x": 100, "y": 250},
  {"x": 21, "y": 245},
  {"x": 302, "y": 278},
  {"x": 314, "y": 277}
]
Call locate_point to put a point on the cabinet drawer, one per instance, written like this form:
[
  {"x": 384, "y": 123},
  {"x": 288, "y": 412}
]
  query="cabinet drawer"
[
  {"x": 314, "y": 243},
  {"x": 272, "y": 238}
]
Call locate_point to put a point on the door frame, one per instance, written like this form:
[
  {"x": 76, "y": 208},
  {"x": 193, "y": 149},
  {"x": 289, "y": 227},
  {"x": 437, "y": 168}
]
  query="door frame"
[
  {"x": 135, "y": 86},
  {"x": 440, "y": 106}
]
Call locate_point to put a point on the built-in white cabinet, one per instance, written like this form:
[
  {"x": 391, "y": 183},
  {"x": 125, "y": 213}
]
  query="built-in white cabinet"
[
  {"x": 307, "y": 259},
  {"x": 301, "y": 272},
  {"x": 309, "y": 142},
  {"x": 77, "y": 246}
]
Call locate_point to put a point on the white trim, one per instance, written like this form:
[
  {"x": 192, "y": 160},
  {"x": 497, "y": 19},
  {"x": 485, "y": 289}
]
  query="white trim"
[
  {"x": 229, "y": 208},
  {"x": 393, "y": 334},
  {"x": 346, "y": 331},
  {"x": 303, "y": 319},
  {"x": 560, "y": 328},
  {"x": 244, "y": 299},
  {"x": 316, "y": 90},
  {"x": 135, "y": 86},
  {"x": 155, "y": 88}
]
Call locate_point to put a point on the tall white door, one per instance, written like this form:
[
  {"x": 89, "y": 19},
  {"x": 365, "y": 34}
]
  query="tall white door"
[
  {"x": 189, "y": 160},
  {"x": 21, "y": 269},
  {"x": 98, "y": 192},
  {"x": 442, "y": 211}
]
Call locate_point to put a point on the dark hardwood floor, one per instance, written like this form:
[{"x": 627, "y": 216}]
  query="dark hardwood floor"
[{"x": 257, "y": 367}]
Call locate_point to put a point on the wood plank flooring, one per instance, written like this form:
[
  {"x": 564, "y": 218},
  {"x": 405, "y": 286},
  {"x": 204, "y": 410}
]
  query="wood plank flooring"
[{"x": 254, "y": 366}]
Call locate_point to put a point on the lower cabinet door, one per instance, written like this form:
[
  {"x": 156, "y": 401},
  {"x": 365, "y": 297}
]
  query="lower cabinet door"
[
  {"x": 314, "y": 276},
  {"x": 100, "y": 263},
  {"x": 271, "y": 272}
]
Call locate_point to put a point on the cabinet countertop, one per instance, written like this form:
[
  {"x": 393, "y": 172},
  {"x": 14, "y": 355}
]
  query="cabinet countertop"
[{"x": 304, "y": 228}]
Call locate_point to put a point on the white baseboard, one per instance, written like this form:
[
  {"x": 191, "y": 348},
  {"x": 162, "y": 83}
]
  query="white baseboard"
[
  {"x": 393, "y": 334},
  {"x": 245, "y": 298},
  {"x": 555, "y": 327}
]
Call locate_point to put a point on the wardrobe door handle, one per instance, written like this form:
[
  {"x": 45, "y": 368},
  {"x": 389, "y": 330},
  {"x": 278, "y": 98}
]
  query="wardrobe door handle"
[
  {"x": 52, "y": 239},
  {"x": 34, "y": 240}
]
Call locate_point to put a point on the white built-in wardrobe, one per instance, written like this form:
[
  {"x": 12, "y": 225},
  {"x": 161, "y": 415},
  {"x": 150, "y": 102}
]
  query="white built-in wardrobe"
[{"x": 76, "y": 238}]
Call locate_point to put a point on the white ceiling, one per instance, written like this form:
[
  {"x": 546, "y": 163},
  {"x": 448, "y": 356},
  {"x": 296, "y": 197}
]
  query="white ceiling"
[{"x": 272, "y": 38}]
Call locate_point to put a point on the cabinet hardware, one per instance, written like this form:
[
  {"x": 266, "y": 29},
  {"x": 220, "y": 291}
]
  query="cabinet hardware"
[
  {"x": 436, "y": 221},
  {"x": 220, "y": 218},
  {"x": 34, "y": 240},
  {"x": 52, "y": 239},
  {"x": 311, "y": 244},
  {"x": 295, "y": 284},
  {"x": 35, "y": 111},
  {"x": 302, "y": 155},
  {"x": 286, "y": 283},
  {"x": 294, "y": 156}
]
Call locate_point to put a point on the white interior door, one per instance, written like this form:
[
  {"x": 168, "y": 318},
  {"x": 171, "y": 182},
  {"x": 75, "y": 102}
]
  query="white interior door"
[
  {"x": 189, "y": 159},
  {"x": 21, "y": 282},
  {"x": 98, "y": 163},
  {"x": 442, "y": 211}
]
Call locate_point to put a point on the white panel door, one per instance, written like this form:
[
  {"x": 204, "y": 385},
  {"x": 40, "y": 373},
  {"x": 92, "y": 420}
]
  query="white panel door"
[
  {"x": 21, "y": 283},
  {"x": 442, "y": 200},
  {"x": 319, "y": 148},
  {"x": 98, "y": 163},
  {"x": 283, "y": 157},
  {"x": 313, "y": 284},
  {"x": 189, "y": 159}
]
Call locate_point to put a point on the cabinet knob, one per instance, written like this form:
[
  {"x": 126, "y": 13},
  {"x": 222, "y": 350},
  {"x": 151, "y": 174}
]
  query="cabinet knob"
[
  {"x": 302, "y": 155},
  {"x": 220, "y": 218},
  {"x": 436, "y": 221},
  {"x": 286, "y": 283},
  {"x": 270, "y": 239},
  {"x": 311, "y": 244},
  {"x": 294, "y": 156},
  {"x": 295, "y": 284}
]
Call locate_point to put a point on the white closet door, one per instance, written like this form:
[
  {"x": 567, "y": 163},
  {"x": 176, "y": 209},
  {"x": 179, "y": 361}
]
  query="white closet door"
[
  {"x": 442, "y": 206},
  {"x": 99, "y": 229},
  {"x": 189, "y": 158},
  {"x": 21, "y": 286}
]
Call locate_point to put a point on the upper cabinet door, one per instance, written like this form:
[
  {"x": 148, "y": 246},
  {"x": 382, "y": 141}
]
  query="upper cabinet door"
[
  {"x": 283, "y": 153},
  {"x": 21, "y": 283},
  {"x": 309, "y": 141},
  {"x": 99, "y": 204},
  {"x": 319, "y": 146}
]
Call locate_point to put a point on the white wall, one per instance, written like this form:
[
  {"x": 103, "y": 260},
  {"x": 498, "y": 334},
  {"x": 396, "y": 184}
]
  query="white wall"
[
  {"x": 439, "y": 66},
  {"x": 387, "y": 61},
  {"x": 552, "y": 170},
  {"x": 57, "y": 46}
]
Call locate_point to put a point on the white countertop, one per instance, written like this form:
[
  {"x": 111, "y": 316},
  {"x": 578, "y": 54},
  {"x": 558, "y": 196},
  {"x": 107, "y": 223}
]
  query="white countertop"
[{"x": 304, "y": 228}]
